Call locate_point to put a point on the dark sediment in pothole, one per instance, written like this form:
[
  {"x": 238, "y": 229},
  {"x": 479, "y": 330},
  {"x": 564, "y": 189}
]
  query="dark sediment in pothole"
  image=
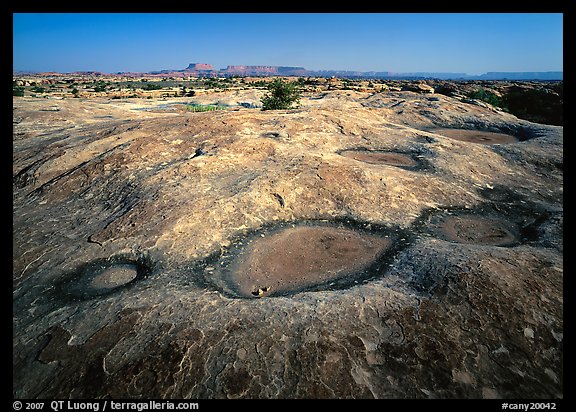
[
  {"x": 301, "y": 257},
  {"x": 404, "y": 160},
  {"x": 539, "y": 217},
  {"x": 483, "y": 225},
  {"x": 113, "y": 277},
  {"x": 103, "y": 276},
  {"x": 476, "y": 136},
  {"x": 493, "y": 223},
  {"x": 477, "y": 230},
  {"x": 304, "y": 256}
]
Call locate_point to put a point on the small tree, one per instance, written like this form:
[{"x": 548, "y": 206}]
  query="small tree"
[{"x": 282, "y": 95}]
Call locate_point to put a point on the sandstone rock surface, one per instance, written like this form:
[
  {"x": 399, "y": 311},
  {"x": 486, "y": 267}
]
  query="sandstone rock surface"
[{"x": 125, "y": 213}]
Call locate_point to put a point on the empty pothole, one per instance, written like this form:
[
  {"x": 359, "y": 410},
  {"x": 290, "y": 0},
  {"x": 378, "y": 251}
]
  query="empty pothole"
[
  {"x": 404, "y": 160},
  {"x": 476, "y": 136},
  {"x": 477, "y": 230},
  {"x": 469, "y": 226},
  {"x": 113, "y": 277},
  {"x": 304, "y": 256},
  {"x": 104, "y": 276}
]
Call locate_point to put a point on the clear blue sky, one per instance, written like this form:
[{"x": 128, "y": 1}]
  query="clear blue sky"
[{"x": 470, "y": 43}]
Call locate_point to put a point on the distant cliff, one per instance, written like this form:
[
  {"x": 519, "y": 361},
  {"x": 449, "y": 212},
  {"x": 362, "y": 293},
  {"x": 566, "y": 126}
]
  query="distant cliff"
[
  {"x": 264, "y": 70},
  {"x": 199, "y": 66},
  {"x": 521, "y": 76},
  {"x": 205, "y": 69}
]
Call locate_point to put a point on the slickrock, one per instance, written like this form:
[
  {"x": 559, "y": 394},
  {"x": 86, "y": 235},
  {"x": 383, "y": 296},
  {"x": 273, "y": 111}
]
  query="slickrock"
[{"x": 438, "y": 272}]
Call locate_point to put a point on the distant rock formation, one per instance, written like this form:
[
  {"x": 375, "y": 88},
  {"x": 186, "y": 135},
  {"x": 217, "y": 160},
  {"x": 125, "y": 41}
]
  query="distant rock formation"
[
  {"x": 199, "y": 67},
  {"x": 418, "y": 87},
  {"x": 207, "y": 70},
  {"x": 521, "y": 76},
  {"x": 264, "y": 71}
]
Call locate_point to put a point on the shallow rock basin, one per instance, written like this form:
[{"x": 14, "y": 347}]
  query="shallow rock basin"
[
  {"x": 477, "y": 136},
  {"x": 297, "y": 258},
  {"x": 477, "y": 230},
  {"x": 113, "y": 277},
  {"x": 102, "y": 277},
  {"x": 381, "y": 158}
]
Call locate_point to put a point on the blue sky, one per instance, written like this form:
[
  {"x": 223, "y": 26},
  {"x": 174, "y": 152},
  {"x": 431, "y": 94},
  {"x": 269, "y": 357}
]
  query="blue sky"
[{"x": 472, "y": 43}]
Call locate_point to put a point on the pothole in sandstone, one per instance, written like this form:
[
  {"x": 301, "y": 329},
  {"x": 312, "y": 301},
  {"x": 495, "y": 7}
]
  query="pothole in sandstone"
[
  {"x": 113, "y": 277},
  {"x": 105, "y": 276},
  {"x": 476, "y": 136},
  {"x": 466, "y": 226},
  {"x": 404, "y": 160},
  {"x": 305, "y": 256},
  {"x": 477, "y": 230}
]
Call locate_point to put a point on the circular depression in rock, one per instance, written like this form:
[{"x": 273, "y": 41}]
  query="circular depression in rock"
[
  {"x": 471, "y": 229},
  {"x": 304, "y": 257},
  {"x": 476, "y": 136},
  {"x": 300, "y": 257},
  {"x": 113, "y": 277},
  {"x": 103, "y": 276},
  {"x": 380, "y": 157},
  {"x": 409, "y": 161}
]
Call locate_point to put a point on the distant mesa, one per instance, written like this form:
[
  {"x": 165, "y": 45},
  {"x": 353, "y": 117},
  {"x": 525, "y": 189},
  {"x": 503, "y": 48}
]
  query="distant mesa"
[
  {"x": 241, "y": 70},
  {"x": 199, "y": 67},
  {"x": 207, "y": 70}
]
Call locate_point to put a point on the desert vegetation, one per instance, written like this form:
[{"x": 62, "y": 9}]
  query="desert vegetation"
[
  {"x": 203, "y": 107},
  {"x": 540, "y": 102},
  {"x": 486, "y": 96},
  {"x": 282, "y": 95},
  {"x": 230, "y": 234}
]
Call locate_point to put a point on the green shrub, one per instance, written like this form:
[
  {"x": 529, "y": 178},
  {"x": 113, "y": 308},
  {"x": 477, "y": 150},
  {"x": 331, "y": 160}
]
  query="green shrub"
[
  {"x": 18, "y": 91},
  {"x": 203, "y": 107},
  {"x": 259, "y": 83},
  {"x": 185, "y": 92},
  {"x": 152, "y": 86},
  {"x": 486, "y": 96},
  {"x": 100, "y": 86},
  {"x": 282, "y": 95}
]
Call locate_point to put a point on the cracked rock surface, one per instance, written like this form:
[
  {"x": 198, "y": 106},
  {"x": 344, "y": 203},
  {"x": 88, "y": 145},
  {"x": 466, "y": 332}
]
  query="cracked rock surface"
[{"x": 123, "y": 217}]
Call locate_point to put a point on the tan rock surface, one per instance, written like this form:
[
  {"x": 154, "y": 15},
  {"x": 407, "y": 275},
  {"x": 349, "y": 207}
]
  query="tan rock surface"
[{"x": 178, "y": 195}]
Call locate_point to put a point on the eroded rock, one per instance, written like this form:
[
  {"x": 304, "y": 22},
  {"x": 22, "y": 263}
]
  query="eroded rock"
[
  {"x": 123, "y": 230},
  {"x": 477, "y": 136}
]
